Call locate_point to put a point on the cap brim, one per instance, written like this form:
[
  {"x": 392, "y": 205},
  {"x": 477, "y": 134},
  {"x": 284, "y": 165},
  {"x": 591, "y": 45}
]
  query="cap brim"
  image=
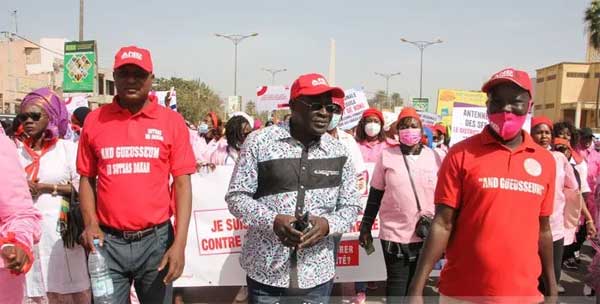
[
  {"x": 494, "y": 82},
  {"x": 335, "y": 91},
  {"x": 134, "y": 62}
]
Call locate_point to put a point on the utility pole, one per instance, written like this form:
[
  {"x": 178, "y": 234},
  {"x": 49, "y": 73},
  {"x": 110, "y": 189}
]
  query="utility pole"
[
  {"x": 236, "y": 39},
  {"x": 273, "y": 72},
  {"x": 421, "y": 45},
  {"x": 14, "y": 14},
  {"x": 80, "y": 20}
]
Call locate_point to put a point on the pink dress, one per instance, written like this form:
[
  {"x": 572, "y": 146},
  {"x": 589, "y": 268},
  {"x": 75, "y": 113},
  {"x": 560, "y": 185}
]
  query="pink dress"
[{"x": 18, "y": 217}]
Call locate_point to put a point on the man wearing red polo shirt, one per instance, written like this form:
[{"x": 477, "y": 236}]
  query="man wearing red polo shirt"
[
  {"x": 127, "y": 151},
  {"x": 494, "y": 197}
]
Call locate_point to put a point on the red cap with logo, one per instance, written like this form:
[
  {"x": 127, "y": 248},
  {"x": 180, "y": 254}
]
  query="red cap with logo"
[
  {"x": 313, "y": 84},
  {"x": 134, "y": 55},
  {"x": 518, "y": 77},
  {"x": 409, "y": 112}
]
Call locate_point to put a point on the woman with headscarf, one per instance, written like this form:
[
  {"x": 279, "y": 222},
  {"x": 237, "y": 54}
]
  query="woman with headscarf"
[
  {"x": 402, "y": 192},
  {"x": 214, "y": 137},
  {"x": 59, "y": 274}
]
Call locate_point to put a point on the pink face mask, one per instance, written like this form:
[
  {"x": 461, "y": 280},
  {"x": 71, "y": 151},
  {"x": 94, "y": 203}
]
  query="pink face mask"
[
  {"x": 507, "y": 125},
  {"x": 410, "y": 137}
]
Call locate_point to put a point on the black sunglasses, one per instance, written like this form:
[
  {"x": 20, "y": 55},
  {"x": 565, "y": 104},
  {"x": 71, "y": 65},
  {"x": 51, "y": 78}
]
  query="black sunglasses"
[
  {"x": 317, "y": 106},
  {"x": 35, "y": 116}
]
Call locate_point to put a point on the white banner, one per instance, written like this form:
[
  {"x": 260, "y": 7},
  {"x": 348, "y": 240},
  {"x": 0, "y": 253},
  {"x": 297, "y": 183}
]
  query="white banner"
[
  {"x": 215, "y": 240},
  {"x": 355, "y": 104},
  {"x": 76, "y": 101},
  {"x": 162, "y": 96},
  {"x": 468, "y": 120},
  {"x": 270, "y": 98},
  {"x": 429, "y": 119}
]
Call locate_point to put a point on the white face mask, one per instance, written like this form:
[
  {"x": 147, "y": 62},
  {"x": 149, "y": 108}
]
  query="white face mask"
[
  {"x": 372, "y": 129},
  {"x": 335, "y": 120}
]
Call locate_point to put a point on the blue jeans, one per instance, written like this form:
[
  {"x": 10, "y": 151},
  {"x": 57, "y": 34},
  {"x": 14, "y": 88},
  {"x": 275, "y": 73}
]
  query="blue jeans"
[
  {"x": 259, "y": 293},
  {"x": 137, "y": 261}
]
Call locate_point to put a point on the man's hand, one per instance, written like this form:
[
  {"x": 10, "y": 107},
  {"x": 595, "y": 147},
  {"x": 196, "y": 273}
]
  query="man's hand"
[
  {"x": 14, "y": 258},
  {"x": 365, "y": 238},
  {"x": 90, "y": 233},
  {"x": 175, "y": 258},
  {"x": 33, "y": 188},
  {"x": 319, "y": 230},
  {"x": 282, "y": 226}
]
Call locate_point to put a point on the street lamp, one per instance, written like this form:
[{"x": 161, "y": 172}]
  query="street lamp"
[
  {"x": 236, "y": 39},
  {"x": 387, "y": 85},
  {"x": 421, "y": 45},
  {"x": 273, "y": 73}
]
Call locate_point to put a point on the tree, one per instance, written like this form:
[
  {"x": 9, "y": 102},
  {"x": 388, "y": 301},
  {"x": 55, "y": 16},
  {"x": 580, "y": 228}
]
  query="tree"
[
  {"x": 592, "y": 26},
  {"x": 397, "y": 100},
  {"x": 194, "y": 97},
  {"x": 250, "y": 108},
  {"x": 379, "y": 101}
]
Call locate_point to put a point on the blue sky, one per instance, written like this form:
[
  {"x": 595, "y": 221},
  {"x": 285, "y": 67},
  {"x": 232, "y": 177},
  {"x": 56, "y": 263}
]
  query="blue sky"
[{"x": 480, "y": 37}]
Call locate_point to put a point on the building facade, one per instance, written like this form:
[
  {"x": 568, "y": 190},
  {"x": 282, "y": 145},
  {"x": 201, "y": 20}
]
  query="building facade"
[{"x": 568, "y": 91}]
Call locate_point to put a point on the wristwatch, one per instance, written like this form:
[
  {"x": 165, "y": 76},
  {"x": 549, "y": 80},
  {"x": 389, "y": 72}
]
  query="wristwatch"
[{"x": 55, "y": 192}]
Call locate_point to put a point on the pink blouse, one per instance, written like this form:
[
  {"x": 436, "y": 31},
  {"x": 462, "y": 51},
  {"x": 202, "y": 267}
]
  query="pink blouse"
[
  {"x": 18, "y": 217},
  {"x": 372, "y": 150},
  {"x": 565, "y": 180}
]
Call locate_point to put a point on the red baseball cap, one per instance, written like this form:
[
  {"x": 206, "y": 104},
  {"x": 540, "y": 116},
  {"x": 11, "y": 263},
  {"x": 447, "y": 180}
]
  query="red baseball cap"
[
  {"x": 339, "y": 102},
  {"x": 134, "y": 55},
  {"x": 538, "y": 120},
  {"x": 374, "y": 112},
  {"x": 313, "y": 84},
  {"x": 440, "y": 128},
  {"x": 518, "y": 77}
]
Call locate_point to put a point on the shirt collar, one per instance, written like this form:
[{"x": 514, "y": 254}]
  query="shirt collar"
[
  {"x": 528, "y": 144},
  {"x": 150, "y": 110},
  {"x": 282, "y": 133}
]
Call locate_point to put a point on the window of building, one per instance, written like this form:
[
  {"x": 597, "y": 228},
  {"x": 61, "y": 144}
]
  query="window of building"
[
  {"x": 578, "y": 75},
  {"x": 596, "y": 75},
  {"x": 550, "y": 106},
  {"x": 540, "y": 80},
  {"x": 551, "y": 77},
  {"x": 101, "y": 84},
  {"x": 33, "y": 56},
  {"x": 110, "y": 87}
]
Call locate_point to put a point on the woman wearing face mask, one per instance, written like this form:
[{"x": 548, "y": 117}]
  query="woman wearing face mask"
[
  {"x": 541, "y": 133},
  {"x": 574, "y": 236},
  {"x": 440, "y": 139},
  {"x": 59, "y": 274},
  {"x": 403, "y": 183},
  {"x": 214, "y": 137},
  {"x": 370, "y": 135}
]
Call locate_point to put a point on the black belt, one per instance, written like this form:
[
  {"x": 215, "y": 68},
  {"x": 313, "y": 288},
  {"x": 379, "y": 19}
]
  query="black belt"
[{"x": 133, "y": 235}]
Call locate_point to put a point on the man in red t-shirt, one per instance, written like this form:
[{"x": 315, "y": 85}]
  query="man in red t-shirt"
[
  {"x": 494, "y": 196},
  {"x": 128, "y": 151}
]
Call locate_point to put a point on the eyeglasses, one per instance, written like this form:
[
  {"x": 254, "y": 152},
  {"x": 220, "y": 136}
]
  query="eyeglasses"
[
  {"x": 35, "y": 116},
  {"x": 317, "y": 106}
]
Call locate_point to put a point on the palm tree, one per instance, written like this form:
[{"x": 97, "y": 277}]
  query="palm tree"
[{"x": 592, "y": 27}]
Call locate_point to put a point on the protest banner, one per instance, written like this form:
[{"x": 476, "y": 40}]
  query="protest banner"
[
  {"x": 216, "y": 237},
  {"x": 447, "y": 98},
  {"x": 355, "y": 104},
  {"x": 271, "y": 98},
  {"x": 79, "y": 72},
  {"x": 74, "y": 101},
  {"x": 468, "y": 120},
  {"x": 161, "y": 96},
  {"x": 429, "y": 119}
]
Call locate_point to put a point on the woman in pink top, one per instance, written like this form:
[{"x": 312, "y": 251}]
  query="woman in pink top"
[
  {"x": 19, "y": 225},
  {"x": 370, "y": 135},
  {"x": 541, "y": 132},
  {"x": 393, "y": 196}
]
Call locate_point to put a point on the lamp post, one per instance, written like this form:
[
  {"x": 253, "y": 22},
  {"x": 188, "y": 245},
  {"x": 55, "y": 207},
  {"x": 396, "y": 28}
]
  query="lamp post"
[
  {"x": 387, "y": 85},
  {"x": 273, "y": 72},
  {"x": 236, "y": 39},
  {"x": 421, "y": 45}
]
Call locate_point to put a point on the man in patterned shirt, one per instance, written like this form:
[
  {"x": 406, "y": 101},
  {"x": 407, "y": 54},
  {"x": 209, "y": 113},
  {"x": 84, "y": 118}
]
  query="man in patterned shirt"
[{"x": 286, "y": 173}]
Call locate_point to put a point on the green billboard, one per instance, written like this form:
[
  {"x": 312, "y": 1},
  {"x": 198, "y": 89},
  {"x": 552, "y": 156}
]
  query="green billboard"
[
  {"x": 421, "y": 104},
  {"x": 79, "y": 67}
]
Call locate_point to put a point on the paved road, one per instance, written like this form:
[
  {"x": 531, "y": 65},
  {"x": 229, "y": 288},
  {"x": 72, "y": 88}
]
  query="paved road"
[{"x": 343, "y": 293}]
